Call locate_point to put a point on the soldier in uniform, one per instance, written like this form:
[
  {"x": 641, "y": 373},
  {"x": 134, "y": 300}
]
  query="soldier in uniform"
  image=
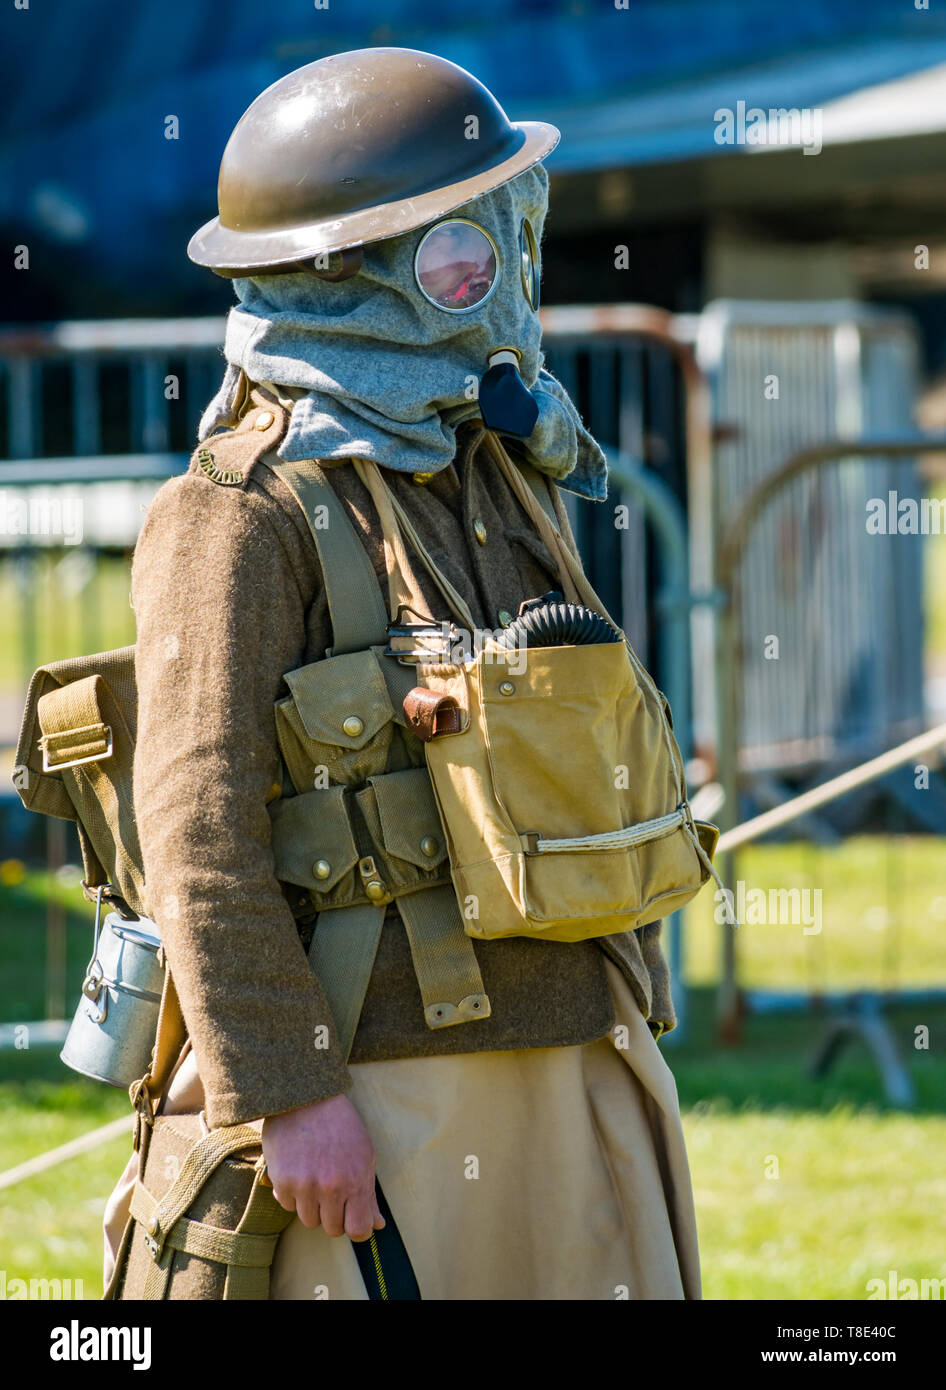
[{"x": 381, "y": 219}]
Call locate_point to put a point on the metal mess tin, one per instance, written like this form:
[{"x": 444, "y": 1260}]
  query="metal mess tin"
[{"x": 112, "y": 1033}]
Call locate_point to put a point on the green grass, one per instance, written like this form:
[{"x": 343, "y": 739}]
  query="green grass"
[
  {"x": 883, "y": 917},
  {"x": 51, "y": 1225},
  {"x": 856, "y": 1195}
]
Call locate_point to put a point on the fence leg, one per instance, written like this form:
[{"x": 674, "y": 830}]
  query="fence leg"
[{"x": 864, "y": 1021}]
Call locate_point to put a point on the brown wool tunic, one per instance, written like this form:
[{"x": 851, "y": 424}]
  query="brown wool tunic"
[{"x": 228, "y": 596}]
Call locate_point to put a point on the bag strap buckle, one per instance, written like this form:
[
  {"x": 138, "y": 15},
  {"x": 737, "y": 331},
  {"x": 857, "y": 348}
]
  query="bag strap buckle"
[{"x": 101, "y": 730}]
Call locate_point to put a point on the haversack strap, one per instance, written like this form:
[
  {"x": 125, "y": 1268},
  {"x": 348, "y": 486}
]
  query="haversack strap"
[{"x": 355, "y": 603}]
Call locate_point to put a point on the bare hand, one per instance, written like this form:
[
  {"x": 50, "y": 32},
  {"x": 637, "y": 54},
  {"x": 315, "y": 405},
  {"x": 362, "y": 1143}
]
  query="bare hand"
[{"x": 321, "y": 1162}]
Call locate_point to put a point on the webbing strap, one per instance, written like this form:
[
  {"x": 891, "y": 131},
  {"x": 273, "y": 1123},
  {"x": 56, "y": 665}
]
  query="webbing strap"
[
  {"x": 355, "y": 603},
  {"x": 226, "y": 1247},
  {"x": 538, "y": 482},
  {"x": 246, "y": 1284},
  {"x": 85, "y": 737},
  {"x": 574, "y": 580},
  {"x": 169, "y": 1038},
  {"x": 445, "y": 963},
  {"x": 205, "y": 1156},
  {"x": 395, "y": 521},
  {"x": 342, "y": 954},
  {"x": 262, "y": 1213}
]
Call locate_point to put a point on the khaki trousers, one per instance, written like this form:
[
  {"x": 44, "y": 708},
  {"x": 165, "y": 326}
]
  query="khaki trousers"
[{"x": 546, "y": 1173}]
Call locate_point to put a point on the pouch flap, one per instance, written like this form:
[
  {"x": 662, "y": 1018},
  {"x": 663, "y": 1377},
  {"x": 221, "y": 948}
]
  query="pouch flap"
[
  {"x": 337, "y": 689},
  {"x": 410, "y": 821},
  {"x": 311, "y": 830}
]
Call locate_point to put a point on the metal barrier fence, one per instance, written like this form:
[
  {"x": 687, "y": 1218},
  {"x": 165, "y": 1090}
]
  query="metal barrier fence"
[
  {"x": 733, "y": 581},
  {"x": 785, "y": 377}
]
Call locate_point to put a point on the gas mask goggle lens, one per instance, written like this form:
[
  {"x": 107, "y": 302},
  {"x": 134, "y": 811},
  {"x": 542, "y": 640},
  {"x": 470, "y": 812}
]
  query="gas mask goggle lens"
[
  {"x": 529, "y": 263},
  {"x": 456, "y": 265}
]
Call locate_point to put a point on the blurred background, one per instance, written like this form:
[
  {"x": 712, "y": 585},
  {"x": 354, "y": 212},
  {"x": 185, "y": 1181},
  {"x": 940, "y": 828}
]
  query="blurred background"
[{"x": 755, "y": 328}]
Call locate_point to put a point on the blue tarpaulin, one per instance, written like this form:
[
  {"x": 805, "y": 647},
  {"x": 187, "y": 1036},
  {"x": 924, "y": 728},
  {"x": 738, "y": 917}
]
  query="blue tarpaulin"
[{"x": 85, "y": 162}]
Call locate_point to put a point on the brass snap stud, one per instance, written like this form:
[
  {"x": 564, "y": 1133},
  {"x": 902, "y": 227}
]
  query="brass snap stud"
[
  {"x": 376, "y": 890},
  {"x": 429, "y": 845},
  {"x": 264, "y": 420},
  {"x": 353, "y": 726},
  {"x": 321, "y": 868},
  {"x": 506, "y": 688}
]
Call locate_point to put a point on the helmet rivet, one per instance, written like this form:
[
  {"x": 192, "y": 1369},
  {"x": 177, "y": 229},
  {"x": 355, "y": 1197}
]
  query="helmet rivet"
[
  {"x": 321, "y": 868},
  {"x": 353, "y": 726},
  {"x": 264, "y": 420}
]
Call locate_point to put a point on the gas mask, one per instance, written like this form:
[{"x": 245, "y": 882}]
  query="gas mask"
[{"x": 436, "y": 327}]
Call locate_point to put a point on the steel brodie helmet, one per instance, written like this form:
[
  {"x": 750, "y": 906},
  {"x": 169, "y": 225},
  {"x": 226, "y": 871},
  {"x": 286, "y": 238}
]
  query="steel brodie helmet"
[{"x": 356, "y": 148}]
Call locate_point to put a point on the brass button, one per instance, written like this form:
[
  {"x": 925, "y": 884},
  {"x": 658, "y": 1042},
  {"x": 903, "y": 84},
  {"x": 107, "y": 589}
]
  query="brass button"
[
  {"x": 422, "y": 477},
  {"x": 376, "y": 890},
  {"x": 153, "y": 1225},
  {"x": 322, "y": 868},
  {"x": 506, "y": 688},
  {"x": 479, "y": 531},
  {"x": 353, "y": 726},
  {"x": 504, "y": 616},
  {"x": 264, "y": 420},
  {"x": 429, "y": 845}
]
